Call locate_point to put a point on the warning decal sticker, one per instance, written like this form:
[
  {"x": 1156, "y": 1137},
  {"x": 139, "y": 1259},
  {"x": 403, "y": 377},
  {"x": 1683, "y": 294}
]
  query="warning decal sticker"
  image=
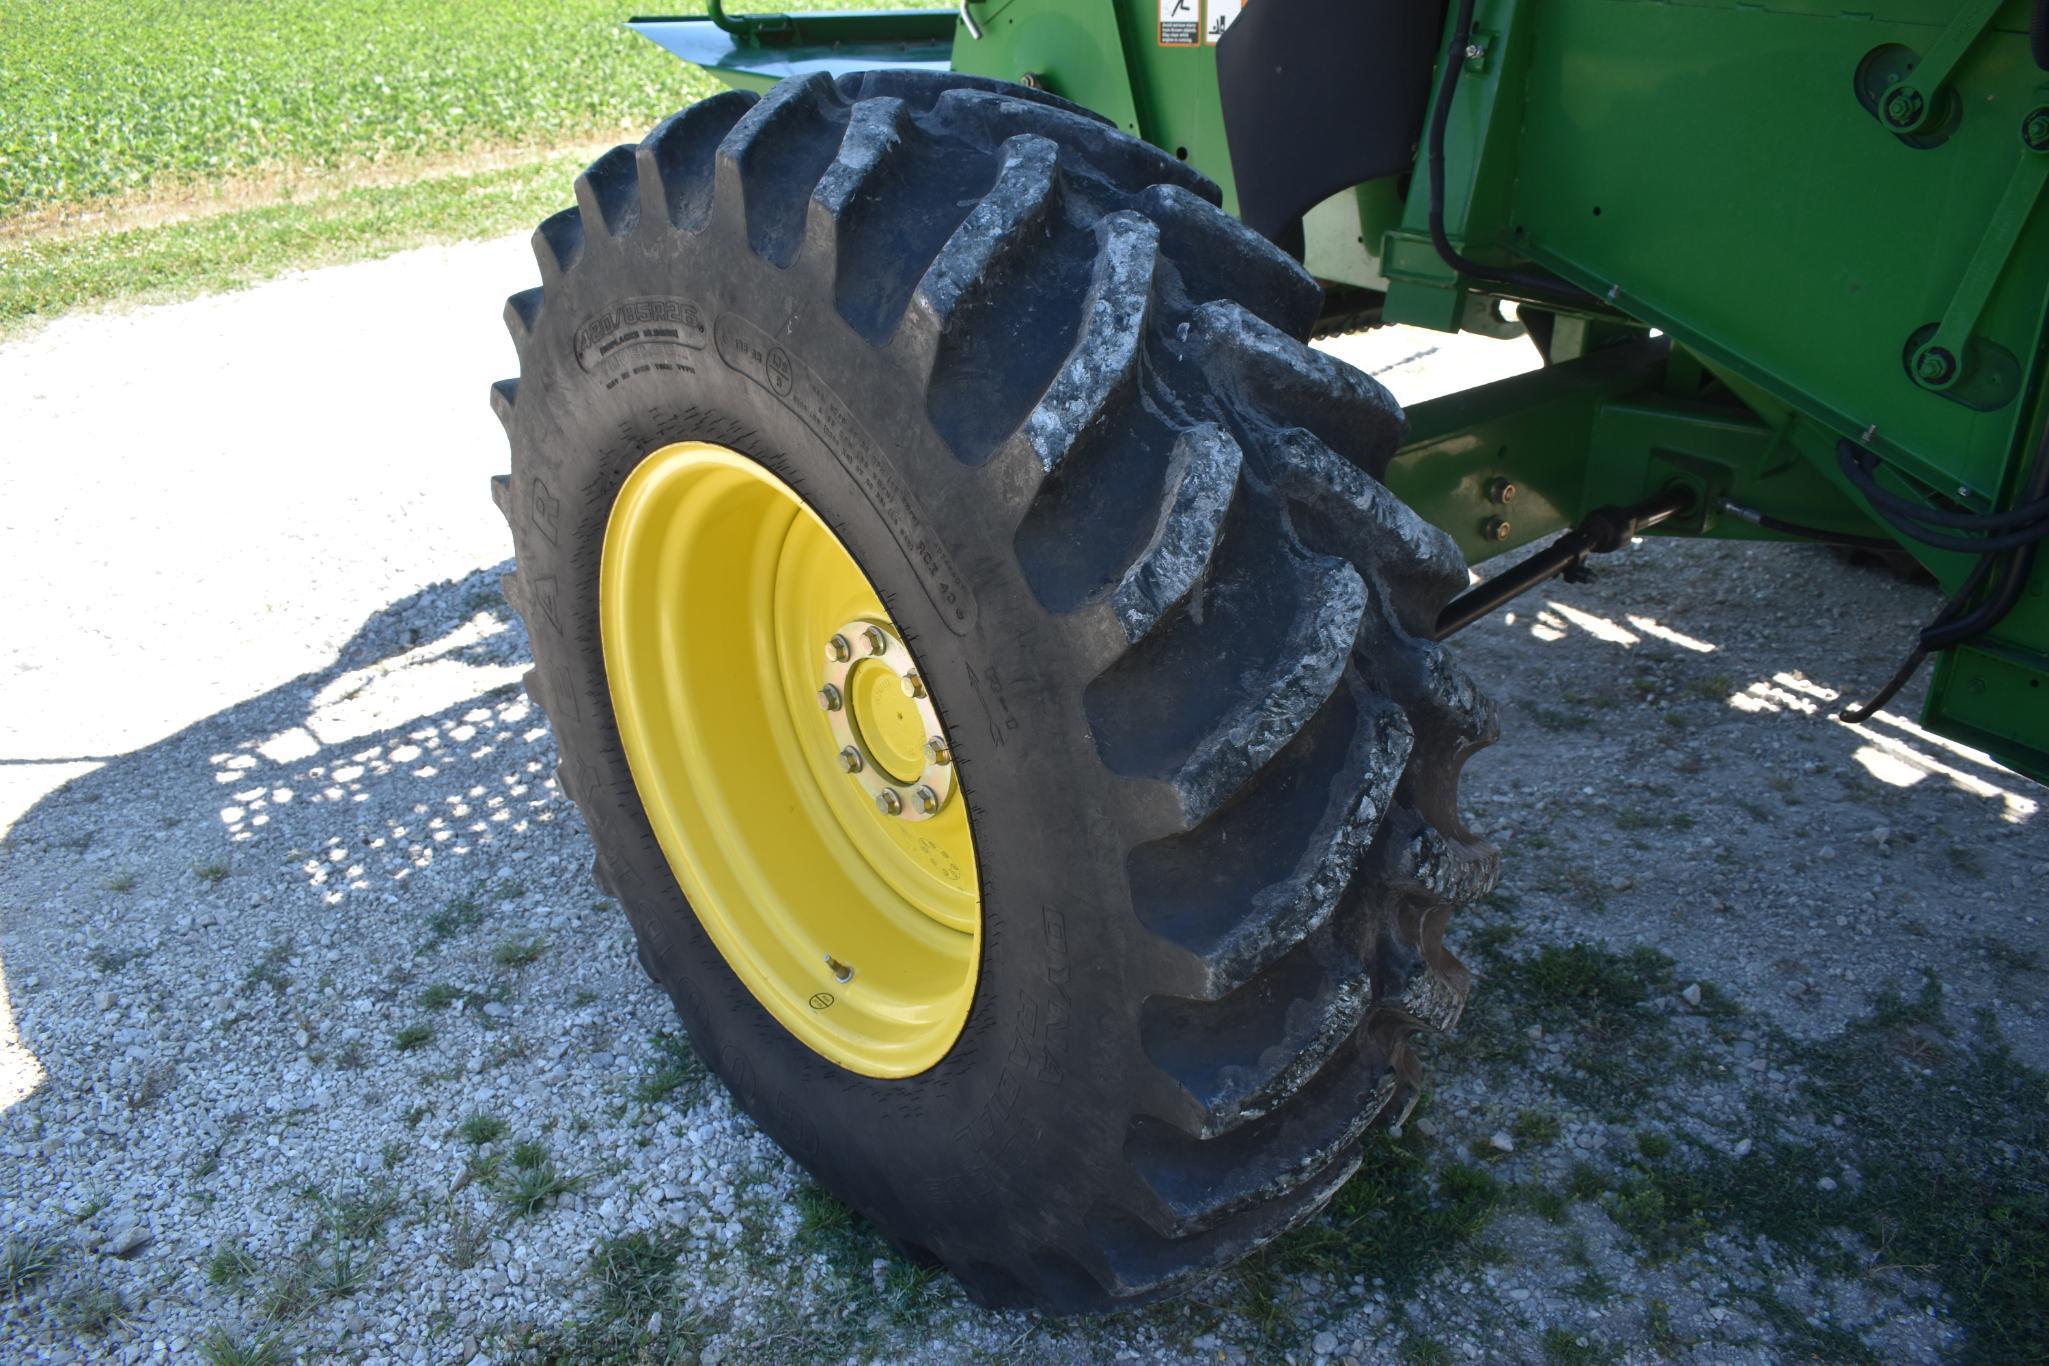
[
  {"x": 1221, "y": 13},
  {"x": 1180, "y": 23}
]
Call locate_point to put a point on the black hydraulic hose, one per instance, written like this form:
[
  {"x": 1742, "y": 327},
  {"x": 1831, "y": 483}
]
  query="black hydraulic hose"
[
  {"x": 2030, "y": 517},
  {"x": 1847, "y": 539},
  {"x": 1543, "y": 287},
  {"x": 2020, "y": 565},
  {"x": 1864, "y": 711},
  {"x": 1858, "y": 463},
  {"x": 1948, "y": 628}
]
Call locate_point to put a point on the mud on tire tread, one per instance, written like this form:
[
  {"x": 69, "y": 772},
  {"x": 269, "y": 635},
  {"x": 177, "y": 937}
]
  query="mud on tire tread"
[{"x": 1159, "y": 485}]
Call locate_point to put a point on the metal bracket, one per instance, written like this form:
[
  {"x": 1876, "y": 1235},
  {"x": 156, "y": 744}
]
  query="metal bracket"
[
  {"x": 1913, "y": 100},
  {"x": 1945, "y": 357},
  {"x": 747, "y": 28}
]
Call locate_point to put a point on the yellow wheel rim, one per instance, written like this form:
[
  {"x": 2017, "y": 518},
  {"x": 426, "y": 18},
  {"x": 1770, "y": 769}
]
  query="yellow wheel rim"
[{"x": 791, "y": 759}]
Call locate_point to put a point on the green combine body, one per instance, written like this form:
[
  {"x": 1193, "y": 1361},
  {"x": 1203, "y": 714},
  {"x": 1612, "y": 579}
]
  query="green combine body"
[{"x": 1786, "y": 261}]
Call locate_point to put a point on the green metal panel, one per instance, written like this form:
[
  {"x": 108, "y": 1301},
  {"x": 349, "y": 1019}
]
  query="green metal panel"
[
  {"x": 1793, "y": 240},
  {"x": 1108, "y": 55}
]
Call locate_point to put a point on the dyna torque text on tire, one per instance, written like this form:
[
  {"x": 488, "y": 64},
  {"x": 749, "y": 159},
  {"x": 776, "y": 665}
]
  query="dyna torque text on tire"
[{"x": 998, "y": 688}]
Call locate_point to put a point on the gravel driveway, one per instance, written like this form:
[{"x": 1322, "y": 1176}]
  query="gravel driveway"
[{"x": 314, "y": 1031}]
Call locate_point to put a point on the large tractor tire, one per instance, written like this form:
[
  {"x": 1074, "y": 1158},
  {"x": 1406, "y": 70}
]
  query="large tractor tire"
[{"x": 998, "y": 688}]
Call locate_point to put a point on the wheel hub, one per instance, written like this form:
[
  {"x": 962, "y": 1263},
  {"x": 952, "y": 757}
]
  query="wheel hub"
[{"x": 883, "y": 728}]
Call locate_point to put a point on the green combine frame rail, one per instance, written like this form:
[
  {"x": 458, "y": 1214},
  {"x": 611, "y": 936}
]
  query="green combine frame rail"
[{"x": 1791, "y": 261}]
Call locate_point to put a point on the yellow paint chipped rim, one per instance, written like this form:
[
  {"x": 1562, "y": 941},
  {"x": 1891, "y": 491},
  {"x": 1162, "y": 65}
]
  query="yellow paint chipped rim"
[{"x": 720, "y": 594}]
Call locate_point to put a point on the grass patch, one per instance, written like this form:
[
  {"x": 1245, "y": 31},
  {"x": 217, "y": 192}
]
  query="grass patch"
[
  {"x": 25, "y": 1259},
  {"x": 1563, "y": 1347},
  {"x": 91, "y": 1308},
  {"x": 534, "y": 1181},
  {"x": 412, "y": 1036},
  {"x": 220, "y": 1347},
  {"x": 1939, "y": 1170},
  {"x": 635, "y": 1275},
  {"x": 478, "y": 1128},
  {"x": 518, "y": 953},
  {"x": 269, "y": 970},
  {"x": 227, "y": 88},
  {"x": 440, "y": 996},
  {"x": 676, "y": 1068},
  {"x": 230, "y": 1267},
  {"x": 209, "y": 873},
  {"x": 1396, "y": 1219},
  {"x": 460, "y": 914}
]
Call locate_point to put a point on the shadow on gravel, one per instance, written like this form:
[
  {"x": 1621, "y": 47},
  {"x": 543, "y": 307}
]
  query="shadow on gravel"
[{"x": 417, "y": 741}]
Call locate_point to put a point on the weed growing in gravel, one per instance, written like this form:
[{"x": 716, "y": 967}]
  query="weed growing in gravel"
[
  {"x": 518, "y": 953},
  {"x": 1592, "y": 1287},
  {"x": 230, "y": 1267},
  {"x": 91, "y": 1308},
  {"x": 360, "y": 1213},
  {"x": 534, "y": 1181},
  {"x": 1563, "y": 1347},
  {"x": 467, "y": 1239},
  {"x": 440, "y": 996},
  {"x": 635, "y": 1275},
  {"x": 222, "y": 1348},
  {"x": 412, "y": 1036},
  {"x": 461, "y": 914},
  {"x": 210, "y": 873},
  {"x": 635, "y": 1313},
  {"x": 26, "y": 1258},
  {"x": 270, "y": 969},
  {"x": 1535, "y": 1127},
  {"x": 2007, "y": 957},
  {"x": 342, "y": 1272},
  {"x": 676, "y": 1068},
  {"x": 1421, "y": 1351},
  {"x": 105, "y": 960},
  {"x": 119, "y": 882},
  {"x": 478, "y": 1129},
  {"x": 1396, "y": 1219}
]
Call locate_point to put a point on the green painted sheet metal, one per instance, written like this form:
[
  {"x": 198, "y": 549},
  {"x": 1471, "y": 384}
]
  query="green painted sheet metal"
[
  {"x": 1110, "y": 56},
  {"x": 755, "y": 51}
]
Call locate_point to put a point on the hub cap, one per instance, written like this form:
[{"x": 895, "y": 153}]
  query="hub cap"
[{"x": 791, "y": 759}]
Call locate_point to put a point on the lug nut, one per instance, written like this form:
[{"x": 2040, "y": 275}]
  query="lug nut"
[
  {"x": 914, "y": 686},
  {"x": 875, "y": 640},
  {"x": 829, "y": 697},
  {"x": 888, "y": 803},
  {"x": 1935, "y": 366},
  {"x": 850, "y": 759},
  {"x": 926, "y": 798},
  {"x": 838, "y": 650},
  {"x": 938, "y": 752},
  {"x": 2035, "y": 130},
  {"x": 1497, "y": 529},
  {"x": 1500, "y": 491}
]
